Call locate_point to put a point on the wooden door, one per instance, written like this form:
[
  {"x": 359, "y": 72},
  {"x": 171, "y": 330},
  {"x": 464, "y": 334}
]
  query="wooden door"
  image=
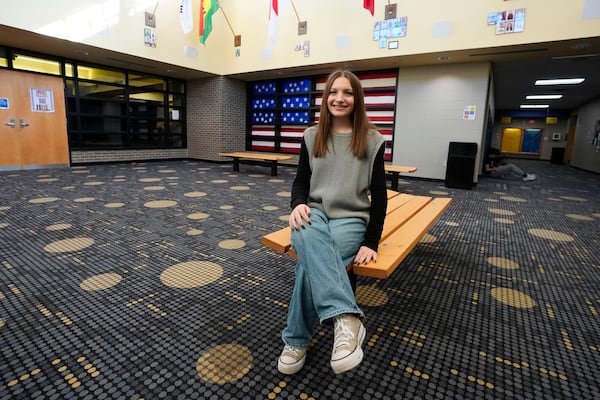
[{"x": 33, "y": 126}]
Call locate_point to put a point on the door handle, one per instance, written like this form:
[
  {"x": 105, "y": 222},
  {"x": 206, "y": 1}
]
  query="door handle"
[
  {"x": 11, "y": 122},
  {"x": 22, "y": 123}
]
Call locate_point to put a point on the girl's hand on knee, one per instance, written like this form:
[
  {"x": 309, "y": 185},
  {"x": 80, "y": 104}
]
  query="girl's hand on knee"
[
  {"x": 364, "y": 255},
  {"x": 299, "y": 216}
]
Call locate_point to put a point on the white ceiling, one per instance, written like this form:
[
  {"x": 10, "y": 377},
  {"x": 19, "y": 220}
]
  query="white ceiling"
[{"x": 515, "y": 68}]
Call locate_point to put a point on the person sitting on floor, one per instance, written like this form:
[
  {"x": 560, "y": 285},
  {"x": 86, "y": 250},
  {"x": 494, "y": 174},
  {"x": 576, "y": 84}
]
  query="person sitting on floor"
[{"x": 496, "y": 167}]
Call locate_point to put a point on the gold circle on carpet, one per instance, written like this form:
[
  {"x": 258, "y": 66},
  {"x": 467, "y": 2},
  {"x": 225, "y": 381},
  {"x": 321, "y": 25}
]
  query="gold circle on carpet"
[
  {"x": 552, "y": 235},
  {"x": 489, "y": 200},
  {"x": 232, "y": 244},
  {"x": 3, "y": 225},
  {"x": 428, "y": 238},
  {"x": 194, "y": 232},
  {"x": 58, "y": 227},
  {"x": 371, "y": 296},
  {"x": 553, "y": 199},
  {"x": 500, "y": 212},
  {"x": 597, "y": 215},
  {"x": 270, "y": 208},
  {"x": 573, "y": 198},
  {"x": 194, "y": 194},
  {"x": 285, "y": 218},
  {"x": 47, "y": 180},
  {"x": 276, "y": 180},
  {"x": 166, "y": 171},
  {"x": 504, "y": 221},
  {"x": 224, "y": 363},
  {"x": 84, "y": 199},
  {"x": 515, "y": 199},
  {"x": 93, "y": 183},
  {"x": 196, "y": 216},
  {"x": 226, "y": 207},
  {"x": 502, "y": 263},
  {"x": 42, "y": 200},
  {"x": 513, "y": 298},
  {"x": 65, "y": 245},
  {"x": 580, "y": 217},
  {"x": 438, "y": 192},
  {"x": 114, "y": 205},
  {"x": 256, "y": 175},
  {"x": 149, "y": 188},
  {"x": 219, "y": 181},
  {"x": 160, "y": 203},
  {"x": 191, "y": 274},
  {"x": 240, "y": 188},
  {"x": 100, "y": 282},
  {"x": 149, "y": 179},
  {"x": 284, "y": 194},
  {"x": 451, "y": 223},
  {"x": 4, "y": 208}
]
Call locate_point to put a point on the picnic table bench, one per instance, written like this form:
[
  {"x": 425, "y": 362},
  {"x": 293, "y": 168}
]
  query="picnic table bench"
[
  {"x": 408, "y": 218},
  {"x": 268, "y": 158},
  {"x": 395, "y": 171}
]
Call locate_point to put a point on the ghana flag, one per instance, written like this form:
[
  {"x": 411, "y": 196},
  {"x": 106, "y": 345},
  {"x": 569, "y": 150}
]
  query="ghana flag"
[{"x": 207, "y": 9}]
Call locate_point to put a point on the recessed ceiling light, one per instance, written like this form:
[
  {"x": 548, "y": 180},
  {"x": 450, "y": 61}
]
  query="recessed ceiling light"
[
  {"x": 567, "y": 81},
  {"x": 544, "y": 97},
  {"x": 534, "y": 106},
  {"x": 581, "y": 46}
]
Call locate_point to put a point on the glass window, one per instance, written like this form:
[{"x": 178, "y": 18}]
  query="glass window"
[
  {"x": 176, "y": 86},
  {"x": 100, "y": 90},
  {"x": 69, "y": 71},
  {"x": 100, "y": 74},
  {"x": 158, "y": 97},
  {"x": 36, "y": 64},
  {"x": 176, "y": 100},
  {"x": 147, "y": 82},
  {"x": 3, "y": 57},
  {"x": 70, "y": 87}
]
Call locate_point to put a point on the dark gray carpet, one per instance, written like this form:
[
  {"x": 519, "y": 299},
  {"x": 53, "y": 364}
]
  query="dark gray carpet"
[{"x": 149, "y": 281}]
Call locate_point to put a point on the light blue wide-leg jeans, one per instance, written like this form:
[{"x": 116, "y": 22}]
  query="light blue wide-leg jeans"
[{"x": 322, "y": 289}]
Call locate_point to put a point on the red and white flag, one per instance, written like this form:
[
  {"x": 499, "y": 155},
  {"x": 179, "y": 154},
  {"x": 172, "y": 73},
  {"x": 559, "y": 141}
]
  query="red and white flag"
[
  {"x": 369, "y": 5},
  {"x": 273, "y": 16}
]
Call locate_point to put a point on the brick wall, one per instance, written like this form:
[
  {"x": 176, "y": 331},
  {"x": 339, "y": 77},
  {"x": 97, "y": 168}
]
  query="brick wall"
[
  {"x": 216, "y": 117},
  {"x": 100, "y": 156}
]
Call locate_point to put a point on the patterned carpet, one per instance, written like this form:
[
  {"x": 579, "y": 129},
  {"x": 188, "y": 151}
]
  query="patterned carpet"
[{"x": 149, "y": 281}]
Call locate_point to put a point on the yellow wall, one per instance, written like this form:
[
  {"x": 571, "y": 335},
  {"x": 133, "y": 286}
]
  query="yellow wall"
[{"x": 118, "y": 25}]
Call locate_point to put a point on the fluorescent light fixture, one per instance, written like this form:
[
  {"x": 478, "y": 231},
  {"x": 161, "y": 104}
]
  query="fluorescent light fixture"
[
  {"x": 534, "y": 106},
  {"x": 567, "y": 81},
  {"x": 544, "y": 97}
]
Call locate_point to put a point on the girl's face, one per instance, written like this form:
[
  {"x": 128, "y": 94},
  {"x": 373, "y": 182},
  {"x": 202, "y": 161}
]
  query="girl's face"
[{"x": 340, "y": 99}]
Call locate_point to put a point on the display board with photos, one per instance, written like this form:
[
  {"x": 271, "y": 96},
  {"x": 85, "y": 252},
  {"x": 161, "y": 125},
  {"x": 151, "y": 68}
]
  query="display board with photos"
[{"x": 509, "y": 21}]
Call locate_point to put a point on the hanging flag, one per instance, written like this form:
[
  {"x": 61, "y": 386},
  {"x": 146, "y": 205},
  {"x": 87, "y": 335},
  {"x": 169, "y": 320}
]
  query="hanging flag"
[
  {"x": 186, "y": 15},
  {"x": 207, "y": 9},
  {"x": 369, "y": 5},
  {"x": 273, "y": 15}
]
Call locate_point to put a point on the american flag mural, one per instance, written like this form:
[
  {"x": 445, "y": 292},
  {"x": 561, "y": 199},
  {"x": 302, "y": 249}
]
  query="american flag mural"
[{"x": 282, "y": 109}]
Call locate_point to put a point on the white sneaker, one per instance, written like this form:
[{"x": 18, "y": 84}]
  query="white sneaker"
[
  {"x": 291, "y": 360},
  {"x": 349, "y": 334},
  {"x": 529, "y": 177}
]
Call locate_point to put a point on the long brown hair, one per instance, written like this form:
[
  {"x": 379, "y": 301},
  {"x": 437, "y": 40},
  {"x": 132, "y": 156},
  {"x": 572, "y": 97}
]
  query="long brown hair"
[{"x": 360, "y": 121}]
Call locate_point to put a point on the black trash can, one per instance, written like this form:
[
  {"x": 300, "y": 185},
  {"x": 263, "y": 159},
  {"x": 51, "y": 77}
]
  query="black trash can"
[
  {"x": 558, "y": 155},
  {"x": 460, "y": 167}
]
